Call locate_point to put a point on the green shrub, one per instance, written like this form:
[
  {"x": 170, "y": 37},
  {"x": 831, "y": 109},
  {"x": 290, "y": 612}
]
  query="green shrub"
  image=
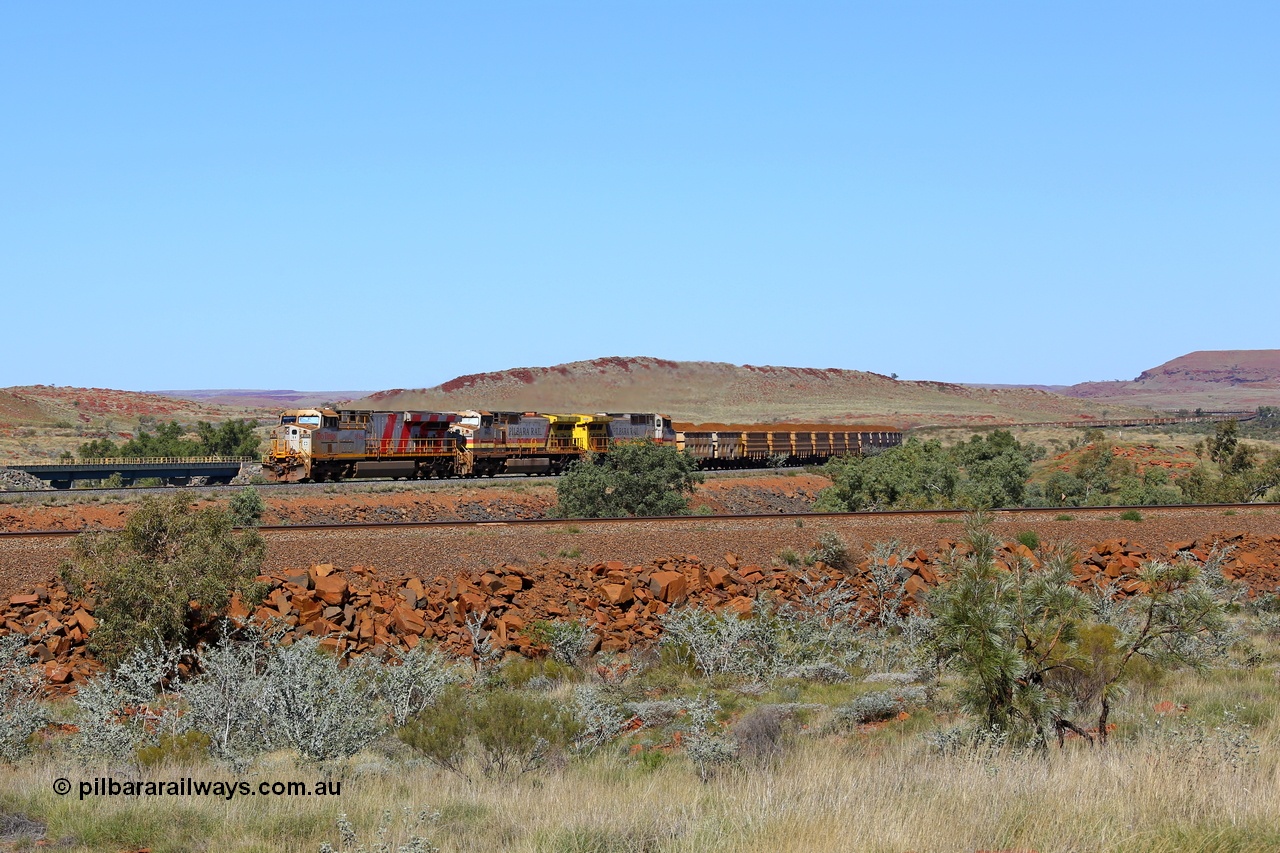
[
  {"x": 145, "y": 576},
  {"x": 247, "y": 507},
  {"x": 179, "y": 750},
  {"x": 1064, "y": 517},
  {"x": 522, "y": 672},
  {"x": 650, "y": 759},
  {"x": 881, "y": 705},
  {"x": 506, "y": 733},
  {"x": 440, "y": 733},
  {"x": 638, "y": 479},
  {"x": 1029, "y": 538},
  {"x": 567, "y": 642},
  {"x": 831, "y": 549},
  {"x": 1131, "y": 515}
]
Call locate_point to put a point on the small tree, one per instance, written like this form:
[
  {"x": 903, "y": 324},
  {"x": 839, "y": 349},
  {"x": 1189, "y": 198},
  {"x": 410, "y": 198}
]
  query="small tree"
[
  {"x": 1173, "y": 620},
  {"x": 1004, "y": 632},
  {"x": 1028, "y": 647},
  {"x": 170, "y": 570},
  {"x": 1226, "y": 439},
  {"x": 637, "y": 479}
]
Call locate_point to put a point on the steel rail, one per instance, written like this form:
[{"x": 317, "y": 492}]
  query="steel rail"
[
  {"x": 684, "y": 519},
  {"x": 357, "y": 483}
]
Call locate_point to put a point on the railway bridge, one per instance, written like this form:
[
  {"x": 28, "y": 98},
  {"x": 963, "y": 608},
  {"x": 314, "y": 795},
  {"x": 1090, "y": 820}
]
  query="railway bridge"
[{"x": 175, "y": 471}]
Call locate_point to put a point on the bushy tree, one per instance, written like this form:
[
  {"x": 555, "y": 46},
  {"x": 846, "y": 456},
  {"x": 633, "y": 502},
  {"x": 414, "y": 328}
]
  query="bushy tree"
[
  {"x": 168, "y": 440},
  {"x": 996, "y": 469},
  {"x": 915, "y": 474},
  {"x": 99, "y": 448},
  {"x": 1247, "y": 477},
  {"x": 231, "y": 438},
  {"x": 1224, "y": 443},
  {"x": 635, "y": 479},
  {"x": 1061, "y": 488},
  {"x": 1152, "y": 488},
  {"x": 172, "y": 568},
  {"x": 1097, "y": 468},
  {"x": 986, "y": 471}
]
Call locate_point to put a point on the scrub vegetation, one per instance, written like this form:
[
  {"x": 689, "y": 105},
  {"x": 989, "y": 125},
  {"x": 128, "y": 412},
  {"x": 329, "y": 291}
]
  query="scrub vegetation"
[
  {"x": 1006, "y": 709},
  {"x": 998, "y": 470}
]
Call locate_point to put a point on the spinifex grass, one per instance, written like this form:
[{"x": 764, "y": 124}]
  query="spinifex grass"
[
  {"x": 826, "y": 796},
  {"x": 1169, "y": 782}
]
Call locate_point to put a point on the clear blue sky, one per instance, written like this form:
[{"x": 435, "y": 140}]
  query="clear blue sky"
[{"x": 358, "y": 196}]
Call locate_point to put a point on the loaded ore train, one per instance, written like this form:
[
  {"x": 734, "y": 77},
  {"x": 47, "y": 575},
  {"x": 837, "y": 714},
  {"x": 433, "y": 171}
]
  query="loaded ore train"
[{"x": 315, "y": 445}]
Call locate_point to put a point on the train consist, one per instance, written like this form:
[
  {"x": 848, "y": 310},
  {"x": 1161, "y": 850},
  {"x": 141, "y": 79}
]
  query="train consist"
[{"x": 315, "y": 445}]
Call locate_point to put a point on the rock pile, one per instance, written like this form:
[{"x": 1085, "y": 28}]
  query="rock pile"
[
  {"x": 21, "y": 481},
  {"x": 57, "y": 628},
  {"x": 249, "y": 471},
  {"x": 360, "y": 612}
]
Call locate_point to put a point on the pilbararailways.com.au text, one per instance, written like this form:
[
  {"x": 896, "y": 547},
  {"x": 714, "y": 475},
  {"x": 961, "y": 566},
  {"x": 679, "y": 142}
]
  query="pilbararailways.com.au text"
[{"x": 106, "y": 786}]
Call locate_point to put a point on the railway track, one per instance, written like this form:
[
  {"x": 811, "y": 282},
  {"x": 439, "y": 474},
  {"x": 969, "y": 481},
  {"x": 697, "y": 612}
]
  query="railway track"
[
  {"x": 361, "y": 485},
  {"x": 1092, "y": 512}
]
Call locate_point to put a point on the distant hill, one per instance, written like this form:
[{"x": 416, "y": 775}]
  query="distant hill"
[
  {"x": 46, "y": 405},
  {"x": 42, "y": 421},
  {"x": 1213, "y": 380},
  {"x": 284, "y": 399},
  {"x": 704, "y": 391}
]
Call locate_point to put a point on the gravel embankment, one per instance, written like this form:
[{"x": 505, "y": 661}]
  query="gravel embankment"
[{"x": 432, "y": 552}]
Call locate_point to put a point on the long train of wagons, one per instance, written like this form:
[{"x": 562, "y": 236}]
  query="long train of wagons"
[{"x": 314, "y": 445}]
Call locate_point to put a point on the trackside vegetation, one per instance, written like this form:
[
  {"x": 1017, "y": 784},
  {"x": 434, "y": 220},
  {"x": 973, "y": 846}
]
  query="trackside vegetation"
[
  {"x": 635, "y": 479},
  {"x": 171, "y": 570},
  {"x": 231, "y": 438},
  {"x": 996, "y": 470}
]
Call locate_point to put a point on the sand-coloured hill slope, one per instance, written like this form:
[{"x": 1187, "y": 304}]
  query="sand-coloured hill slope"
[
  {"x": 704, "y": 391},
  {"x": 45, "y": 405},
  {"x": 1214, "y": 380},
  {"x": 41, "y": 421},
  {"x": 272, "y": 400}
]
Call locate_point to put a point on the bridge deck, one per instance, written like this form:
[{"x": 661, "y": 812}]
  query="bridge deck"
[{"x": 63, "y": 474}]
